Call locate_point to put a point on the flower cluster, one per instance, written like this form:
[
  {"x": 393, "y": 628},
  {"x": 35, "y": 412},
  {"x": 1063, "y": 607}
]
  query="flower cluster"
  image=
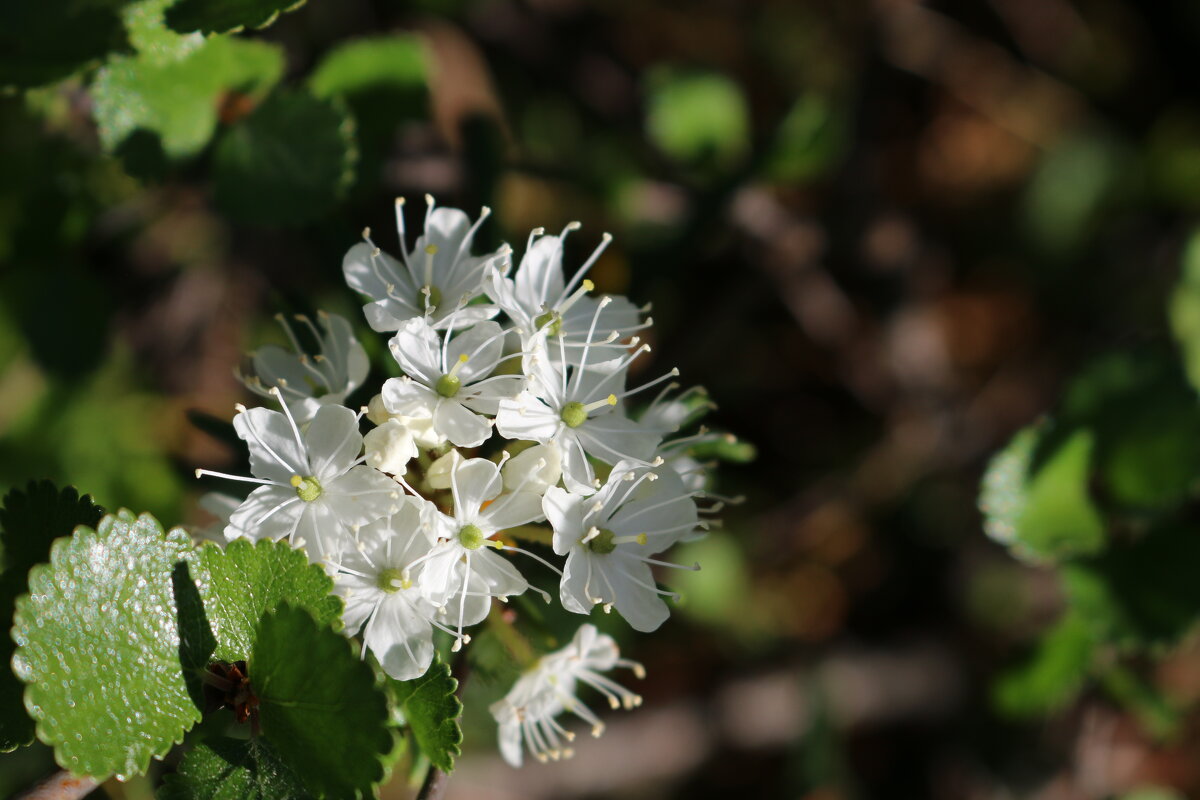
[{"x": 513, "y": 411}]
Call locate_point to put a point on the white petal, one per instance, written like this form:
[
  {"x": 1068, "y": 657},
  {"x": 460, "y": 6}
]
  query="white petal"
[
  {"x": 475, "y": 482},
  {"x": 417, "y": 348},
  {"x": 268, "y": 513},
  {"x": 333, "y": 442},
  {"x": 274, "y": 452},
  {"x": 497, "y": 573},
  {"x": 362, "y": 495},
  {"x": 534, "y": 469},
  {"x": 573, "y": 590},
  {"x": 527, "y": 417},
  {"x": 642, "y": 608},
  {"x": 578, "y": 475},
  {"x": 401, "y": 638},
  {"x": 565, "y": 512},
  {"x": 485, "y": 397},
  {"x": 613, "y": 437},
  {"x": 390, "y": 446},
  {"x": 511, "y": 510},
  {"x": 483, "y": 345},
  {"x": 405, "y": 397},
  {"x": 459, "y": 424},
  {"x": 539, "y": 279}
]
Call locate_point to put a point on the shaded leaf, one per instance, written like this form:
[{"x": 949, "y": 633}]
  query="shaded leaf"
[
  {"x": 232, "y": 769},
  {"x": 319, "y": 704},
  {"x": 99, "y": 647},
  {"x": 431, "y": 709},
  {"x": 288, "y": 162},
  {"x": 366, "y": 64},
  {"x": 30, "y": 521},
  {"x": 697, "y": 118},
  {"x": 44, "y": 42}
]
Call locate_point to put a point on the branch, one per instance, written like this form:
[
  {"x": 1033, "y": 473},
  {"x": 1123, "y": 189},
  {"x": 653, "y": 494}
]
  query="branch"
[{"x": 61, "y": 785}]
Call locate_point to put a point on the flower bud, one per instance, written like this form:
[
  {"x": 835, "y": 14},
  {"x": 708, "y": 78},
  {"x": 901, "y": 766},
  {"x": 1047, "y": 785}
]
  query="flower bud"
[
  {"x": 390, "y": 446},
  {"x": 533, "y": 470}
]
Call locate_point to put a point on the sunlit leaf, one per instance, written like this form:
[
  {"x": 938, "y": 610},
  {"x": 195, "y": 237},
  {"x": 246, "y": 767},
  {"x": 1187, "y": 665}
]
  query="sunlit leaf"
[{"x": 431, "y": 711}]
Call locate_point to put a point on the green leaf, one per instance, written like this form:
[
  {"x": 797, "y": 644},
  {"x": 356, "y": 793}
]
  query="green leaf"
[
  {"x": 180, "y": 100},
  {"x": 367, "y": 64},
  {"x": 1143, "y": 593},
  {"x": 319, "y": 704},
  {"x": 1146, "y": 417},
  {"x": 288, "y": 162},
  {"x": 698, "y": 118},
  {"x": 810, "y": 140},
  {"x": 224, "y": 16},
  {"x": 44, "y": 42},
  {"x": 1040, "y": 507},
  {"x": 233, "y": 769},
  {"x": 30, "y": 521},
  {"x": 244, "y": 581},
  {"x": 431, "y": 709},
  {"x": 1055, "y": 673},
  {"x": 33, "y": 518},
  {"x": 99, "y": 647}
]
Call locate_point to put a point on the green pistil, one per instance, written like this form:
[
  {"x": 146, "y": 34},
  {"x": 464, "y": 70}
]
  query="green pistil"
[
  {"x": 470, "y": 537},
  {"x": 602, "y": 543},
  {"x": 308, "y": 489},
  {"x": 448, "y": 385},
  {"x": 549, "y": 318},
  {"x": 432, "y": 300},
  {"x": 574, "y": 414},
  {"x": 392, "y": 580}
]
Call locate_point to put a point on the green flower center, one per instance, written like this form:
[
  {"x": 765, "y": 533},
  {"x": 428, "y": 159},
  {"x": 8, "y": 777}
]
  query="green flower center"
[
  {"x": 549, "y": 318},
  {"x": 470, "y": 537},
  {"x": 448, "y": 385},
  {"x": 392, "y": 580},
  {"x": 602, "y": 543},
  {"x": 308, "y": 489},
  {"x": 574, "y": 414}
]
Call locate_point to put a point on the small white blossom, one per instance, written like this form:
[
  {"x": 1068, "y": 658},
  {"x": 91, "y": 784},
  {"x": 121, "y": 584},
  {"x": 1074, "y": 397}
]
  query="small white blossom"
[
  {"x": 379, "y": 581},
  {"x": 575, "y": 408},
  {"x": 419, "y": 425},
  {"x": 313, "y": 491},
  {"x": 526, "y": 714},
  {"x": 465, "y": 549},
  {"x": 432, "y": 280},
  {"x": 326, "y": 377},
  {"x": 447, "y": 379},
  {"x": 610, "y": 536}
]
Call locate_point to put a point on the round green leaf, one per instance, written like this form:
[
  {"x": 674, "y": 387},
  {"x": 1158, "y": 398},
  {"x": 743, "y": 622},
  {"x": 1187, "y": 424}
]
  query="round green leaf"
[
  {"x": 244, "y": 581},
  {"x": 288, "y": 162},
  {"x": 431, "y": 711},
  {"x": 232, "y": 769},
  {"x": 320, "y": 705},
  {"x": 224, "y": 16},
  {"x": 370, "y": 63},
  {"x": 698, "y": 118},
  {"x": 99, "y": 647}
]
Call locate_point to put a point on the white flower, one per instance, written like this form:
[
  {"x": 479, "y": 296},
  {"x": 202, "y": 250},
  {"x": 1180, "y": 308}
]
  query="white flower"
[
  {"x": 463, "y": 560},
  {"x": 447, "y": 379},
  {"x": 390, "y": 446},
  {"x": 325, "y": 378},
  {"x": 538, "y": 300},
  {"x": 380, "y": 585},
  {"x": 575, "y": 408},
  {"x": 433, "y": 280},
  {"x": 608, "y": 538},
  {"x": 526, "y": 714},
  {"x": 313, "y": 489}
]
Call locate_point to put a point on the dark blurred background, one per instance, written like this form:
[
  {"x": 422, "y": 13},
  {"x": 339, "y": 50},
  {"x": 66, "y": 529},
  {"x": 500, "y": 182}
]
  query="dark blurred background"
[{"x": 881, "y": 234}]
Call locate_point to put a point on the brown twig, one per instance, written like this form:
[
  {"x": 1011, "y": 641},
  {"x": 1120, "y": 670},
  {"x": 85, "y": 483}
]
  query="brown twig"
[
  {"x": 435, "y": 784},
  {"x": 62, "y": 785}
]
